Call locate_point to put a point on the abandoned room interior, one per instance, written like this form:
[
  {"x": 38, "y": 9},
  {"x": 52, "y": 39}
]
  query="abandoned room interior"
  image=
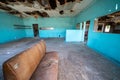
[{"x": 59, "y": 39}]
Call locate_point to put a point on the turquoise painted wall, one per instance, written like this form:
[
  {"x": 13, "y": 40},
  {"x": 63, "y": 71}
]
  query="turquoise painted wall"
[
  {"x": 59, "y": 24},
  {"x": 7, "y": 31},
  {"x": 107, "y": 44}
]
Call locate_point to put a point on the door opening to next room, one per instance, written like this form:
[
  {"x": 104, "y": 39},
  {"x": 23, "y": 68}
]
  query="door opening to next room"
[
  {"x": 86, "y": 31},
  {"x": 35, "y": 30}
]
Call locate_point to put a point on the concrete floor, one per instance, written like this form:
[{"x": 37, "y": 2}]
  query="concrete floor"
[{"x": 77, "y": 62}]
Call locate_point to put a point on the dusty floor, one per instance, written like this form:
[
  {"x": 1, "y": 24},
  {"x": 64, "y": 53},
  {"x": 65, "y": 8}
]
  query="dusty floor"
[{"x": 77, "y": 62}]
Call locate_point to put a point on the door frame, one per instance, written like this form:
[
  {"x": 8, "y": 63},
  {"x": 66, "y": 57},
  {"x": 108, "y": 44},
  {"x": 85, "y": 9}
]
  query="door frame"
[{"x": 35, "y": 30}]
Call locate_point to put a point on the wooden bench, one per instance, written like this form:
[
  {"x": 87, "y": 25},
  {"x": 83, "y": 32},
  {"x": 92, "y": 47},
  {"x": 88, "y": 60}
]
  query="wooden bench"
[{"x": 32, "y": 64}]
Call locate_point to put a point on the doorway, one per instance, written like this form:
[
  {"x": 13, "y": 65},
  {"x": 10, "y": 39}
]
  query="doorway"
[
  {"x": 86, "y": 31},
  {"x": 35, "y": 30}
]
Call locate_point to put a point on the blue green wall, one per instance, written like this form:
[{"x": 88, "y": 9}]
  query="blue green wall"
[
  {"x": 107, "y": 44},
  {"x": 7, "y": 31},
  {"x": 59, "y": 24}
]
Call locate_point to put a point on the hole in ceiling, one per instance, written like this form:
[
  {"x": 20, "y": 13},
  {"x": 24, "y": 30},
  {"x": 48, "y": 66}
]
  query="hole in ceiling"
[
  {"x": 61, "y": 2},
  {"x": 21, "y": 0},
  {"x": 29, "y": 13},
  {"x": 14, "y": 12},
  {"x": 5, "y": 8},
  {"x": 61, "y": 12},
  {"x": 71, "y": 10},
  {"x": 53, "y": 4},
  {"x": 3, "y": 1},
  {"x": 42, "y": 14},
  {"x": 30, "y": 1},
  {"x": 11, "y": 0},
  {"x": 70, "y": 0},
  {"x": 47, "y": 8}
]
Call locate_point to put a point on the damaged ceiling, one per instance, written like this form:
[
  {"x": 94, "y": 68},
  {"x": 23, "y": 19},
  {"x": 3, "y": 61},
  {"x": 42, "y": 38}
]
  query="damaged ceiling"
[{"x": 44, "y": 8}]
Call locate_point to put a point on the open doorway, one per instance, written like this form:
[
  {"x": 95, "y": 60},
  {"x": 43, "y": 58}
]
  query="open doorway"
[
  {"x": 35, "y": 30},
  {"x": 86, "y": 31}
]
